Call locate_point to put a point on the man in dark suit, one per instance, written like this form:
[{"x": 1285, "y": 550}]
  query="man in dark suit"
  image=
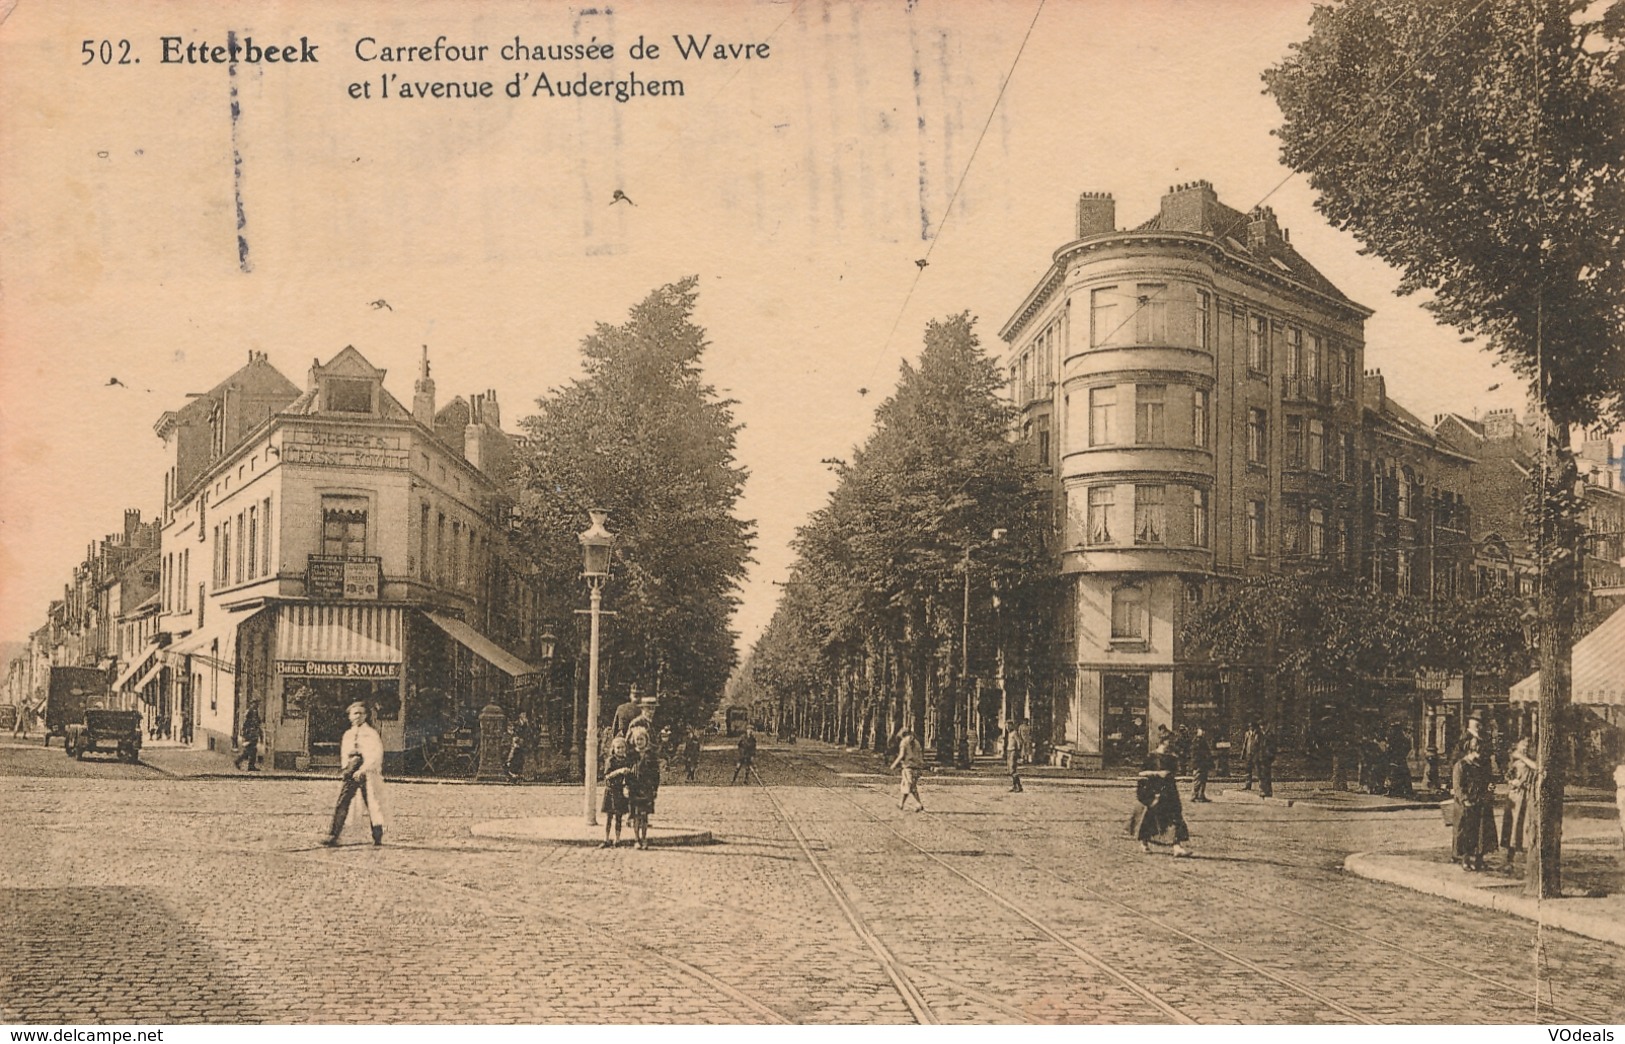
[{"x": 1202, "y": 763}]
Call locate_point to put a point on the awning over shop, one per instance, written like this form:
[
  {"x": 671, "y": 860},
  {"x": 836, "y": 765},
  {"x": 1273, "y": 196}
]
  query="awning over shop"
[
  {"x": 481, "y": 646},
  {"x": 147, "y": 679},
  {"x": 137, "y": 665},
  {"x": 339, "y": 634},
  {"x": 214, "y": 645},
  {"x": 1598, "y": 666}
]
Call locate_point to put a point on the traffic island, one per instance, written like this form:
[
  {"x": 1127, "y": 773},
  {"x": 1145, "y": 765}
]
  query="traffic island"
[
  {"x": 570, "y": 830},
  {"x": 1591, "y": 904}
]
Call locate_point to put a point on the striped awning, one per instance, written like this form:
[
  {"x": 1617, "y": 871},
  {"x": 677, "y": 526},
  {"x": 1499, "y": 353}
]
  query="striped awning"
[
  {"x": 135, "y": 665},
  {"x": 481, "y": 646},
  {"x": 147, "y": 679},
  {"x": 339, "y": 633},
  {"x": 1598, "y": 666}
]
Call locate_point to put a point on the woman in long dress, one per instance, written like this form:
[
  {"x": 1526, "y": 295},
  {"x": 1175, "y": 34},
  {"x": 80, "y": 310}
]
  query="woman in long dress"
[
  {"x": 1521, "y": 769},
  {"x": 1160, "y": 812}
]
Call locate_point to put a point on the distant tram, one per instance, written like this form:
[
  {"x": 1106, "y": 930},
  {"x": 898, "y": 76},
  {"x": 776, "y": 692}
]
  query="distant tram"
[{"x": 738, "y": 718}]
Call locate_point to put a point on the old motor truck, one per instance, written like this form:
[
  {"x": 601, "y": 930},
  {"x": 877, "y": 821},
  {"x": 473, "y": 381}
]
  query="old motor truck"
[{"x": 77, "y": 709}]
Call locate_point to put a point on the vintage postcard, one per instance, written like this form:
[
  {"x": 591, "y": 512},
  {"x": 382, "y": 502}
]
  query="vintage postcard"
[{"x": 810, "y": 512}]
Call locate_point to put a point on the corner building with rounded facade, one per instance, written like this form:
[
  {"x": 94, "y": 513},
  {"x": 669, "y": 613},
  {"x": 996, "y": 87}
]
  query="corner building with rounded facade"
[{"x": 1193, "y": 386}]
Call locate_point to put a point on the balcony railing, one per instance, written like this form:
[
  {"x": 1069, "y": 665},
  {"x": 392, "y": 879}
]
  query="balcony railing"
[{"x": 1305, "y": 389}]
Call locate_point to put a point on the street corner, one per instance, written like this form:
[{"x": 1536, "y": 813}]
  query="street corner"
[
  {"x": 1584, "y": 911},
  {"x": 571, "y": 831}
]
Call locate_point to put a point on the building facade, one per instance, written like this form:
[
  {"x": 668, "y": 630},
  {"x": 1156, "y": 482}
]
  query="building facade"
[
  {"x": 328, "y": 545},
  {"x": 1194, "y": 384}
]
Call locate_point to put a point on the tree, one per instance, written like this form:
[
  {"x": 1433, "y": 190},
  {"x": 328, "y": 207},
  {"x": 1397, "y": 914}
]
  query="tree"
[
  {"x": 1479, "y": 147},
  {"x": 937, "y": 513},
  {"x": 644, "y": 437}
]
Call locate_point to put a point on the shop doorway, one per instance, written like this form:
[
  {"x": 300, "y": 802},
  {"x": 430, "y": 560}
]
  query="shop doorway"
[
  {"x": 325, "y": 702},
  {"x": 1126, "y": 721}
]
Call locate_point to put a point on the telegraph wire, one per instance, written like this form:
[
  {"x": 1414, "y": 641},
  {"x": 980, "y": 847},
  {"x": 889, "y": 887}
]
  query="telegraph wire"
[{"x": 920, "y": 265}]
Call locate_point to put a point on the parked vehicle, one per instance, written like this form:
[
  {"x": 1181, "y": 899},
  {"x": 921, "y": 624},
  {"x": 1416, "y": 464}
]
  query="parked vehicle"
[
  {"x": 69, "y": 691},
  {"x": 105, "y": 731}
]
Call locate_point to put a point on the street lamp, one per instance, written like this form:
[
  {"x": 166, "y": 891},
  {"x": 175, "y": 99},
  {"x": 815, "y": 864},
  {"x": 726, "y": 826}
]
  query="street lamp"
[
  {"x": 542, "y": 719},
  {"x": 596, "y": 542}
]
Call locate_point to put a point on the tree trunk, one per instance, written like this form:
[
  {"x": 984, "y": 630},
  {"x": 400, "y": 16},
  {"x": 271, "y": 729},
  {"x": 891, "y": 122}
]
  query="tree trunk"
[{"x": 1560, "y": 554}]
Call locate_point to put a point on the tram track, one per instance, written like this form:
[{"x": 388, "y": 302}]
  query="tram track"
[
  {"x": 894, "y": 969},
  {"x": 1253, "y": 899}
]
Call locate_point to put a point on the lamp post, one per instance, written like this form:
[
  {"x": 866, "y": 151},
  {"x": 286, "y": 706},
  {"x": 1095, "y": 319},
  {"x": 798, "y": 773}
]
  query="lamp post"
[
  {"x": 596, "y": 542},
  {"x": 542, "y": 718}
]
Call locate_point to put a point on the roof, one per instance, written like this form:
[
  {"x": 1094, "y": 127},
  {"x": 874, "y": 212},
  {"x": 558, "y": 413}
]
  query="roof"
[{"x": 1229, "y": 226}]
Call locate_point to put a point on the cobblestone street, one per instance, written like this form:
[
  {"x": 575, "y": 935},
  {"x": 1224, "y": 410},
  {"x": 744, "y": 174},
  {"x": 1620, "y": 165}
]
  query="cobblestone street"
[{"x": 132, "y": 896}]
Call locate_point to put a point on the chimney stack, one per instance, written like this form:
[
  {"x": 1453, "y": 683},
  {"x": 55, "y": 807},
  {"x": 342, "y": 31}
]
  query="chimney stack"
[
  {"x": 423, "y": 394},
  {"x": 1262, "y": 228},
  {"x": 1189, "y": 207},
  {"x": 1097, "y": 214}
]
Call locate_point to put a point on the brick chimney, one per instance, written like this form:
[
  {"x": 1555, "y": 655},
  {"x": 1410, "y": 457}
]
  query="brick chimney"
[
  {"x": 1501, "y": 424},
  {"x": 1262, "y": 228},
  {"x": 1097, "y": 214},
  {"x": 1376, "y": 389},
  {"x": 1189, "y": 207}
]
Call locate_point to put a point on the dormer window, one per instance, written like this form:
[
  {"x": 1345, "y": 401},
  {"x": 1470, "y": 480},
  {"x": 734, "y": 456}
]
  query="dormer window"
[{"x": 347, "y": 395}]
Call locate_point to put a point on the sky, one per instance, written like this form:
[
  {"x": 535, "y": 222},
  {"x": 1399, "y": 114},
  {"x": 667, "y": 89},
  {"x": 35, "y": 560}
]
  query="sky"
[{"x": 149, "y": 234}]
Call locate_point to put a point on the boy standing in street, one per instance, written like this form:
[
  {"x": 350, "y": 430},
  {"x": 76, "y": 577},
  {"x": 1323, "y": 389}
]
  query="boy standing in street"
[
  {"x": 912, "y": 761},
  {"x": 747, "y": 755},
  {"x": 1014, "y": 753}
]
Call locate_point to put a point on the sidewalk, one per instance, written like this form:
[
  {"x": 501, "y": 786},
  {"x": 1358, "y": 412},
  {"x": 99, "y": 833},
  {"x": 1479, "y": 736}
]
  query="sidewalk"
[
  {"x": 1593, "y": 902},
  {"x": 171, "y": 759}
]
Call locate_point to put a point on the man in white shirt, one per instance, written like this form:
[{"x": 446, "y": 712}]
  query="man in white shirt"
[{"x": 361, "y": 752}]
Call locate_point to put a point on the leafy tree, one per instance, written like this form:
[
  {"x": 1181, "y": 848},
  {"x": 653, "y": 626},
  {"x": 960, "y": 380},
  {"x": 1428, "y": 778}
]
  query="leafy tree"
[
  {"x": 1479, "y": 147},
  {"x": 644, "y": 437},
  {"x": 938, "y": 511}
]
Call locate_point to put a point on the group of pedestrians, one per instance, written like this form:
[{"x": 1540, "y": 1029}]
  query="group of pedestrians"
[
  {"x": 1470, "y": 812},
  {"x": 631, "y": 773}
]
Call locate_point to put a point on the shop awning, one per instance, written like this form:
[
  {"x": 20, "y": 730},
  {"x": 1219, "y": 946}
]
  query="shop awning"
[
  {"x": 147, "y": 679},
  {"x": 136, "y": 665},
  {"x": 1598, "y": 666},
  {"x": 216, "y": 644},
  {"x": 481, "y": 646},
  {"x": 339, "y": 633}
]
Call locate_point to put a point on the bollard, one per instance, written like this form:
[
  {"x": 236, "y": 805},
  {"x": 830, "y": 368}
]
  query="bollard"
[{"x": 493, "y": 748}]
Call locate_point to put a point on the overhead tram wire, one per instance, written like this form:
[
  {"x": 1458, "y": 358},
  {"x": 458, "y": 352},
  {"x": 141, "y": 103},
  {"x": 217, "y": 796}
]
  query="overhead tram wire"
[
  {"x": 964, "y": 173},
  {"x": 1337, "y": 136}
]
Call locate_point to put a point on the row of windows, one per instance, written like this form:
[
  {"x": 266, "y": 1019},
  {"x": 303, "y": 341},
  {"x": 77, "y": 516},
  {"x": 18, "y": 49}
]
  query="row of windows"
[
  {"x": 1152, "y": 426},
  {"x": 1033, "y": 372},
  {"x": 1309, "y": 443},
  {"x": 177, "y": 570},
  {"x": 1163, "y": 314},
  {"x": 1305, "y": 532},
  {"x": 450, "y": 551},
  {"x": 242, "y": 545},
  {"x": 1104, "y": 517}
]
